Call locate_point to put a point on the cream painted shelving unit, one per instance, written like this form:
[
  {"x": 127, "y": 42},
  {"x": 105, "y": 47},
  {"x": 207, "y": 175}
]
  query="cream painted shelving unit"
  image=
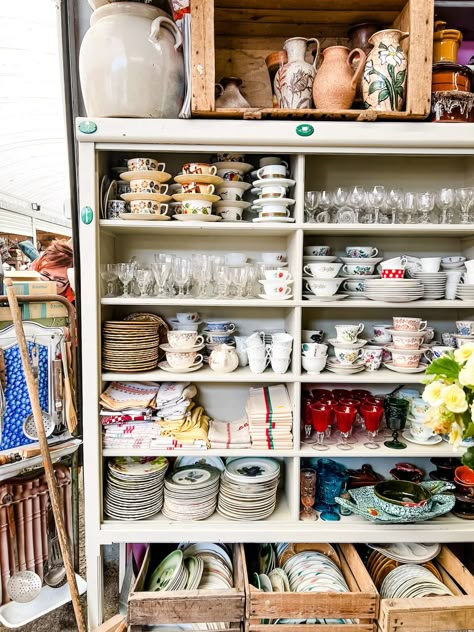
[{"x": 415, "y": 156}]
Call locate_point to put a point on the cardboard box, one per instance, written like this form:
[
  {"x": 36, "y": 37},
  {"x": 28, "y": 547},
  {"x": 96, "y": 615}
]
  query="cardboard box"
[
  {"x": 32, "y": 311},
  {"x": 33, "y": 288},
  {"x": 22, "y": 275}
]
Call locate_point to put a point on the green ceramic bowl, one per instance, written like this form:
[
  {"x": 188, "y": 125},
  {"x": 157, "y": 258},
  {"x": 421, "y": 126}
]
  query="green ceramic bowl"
[{"x": 402, "y": 498}]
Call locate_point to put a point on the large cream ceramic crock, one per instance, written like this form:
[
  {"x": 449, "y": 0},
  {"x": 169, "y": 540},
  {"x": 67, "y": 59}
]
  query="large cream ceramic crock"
[{"x": 131, "y": 63}]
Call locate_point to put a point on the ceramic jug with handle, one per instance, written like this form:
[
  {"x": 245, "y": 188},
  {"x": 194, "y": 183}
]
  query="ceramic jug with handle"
[
  {"x": 131, "y": 63},
  {"x": 223, "y": 359},
  {"x": 385, "y": 72},
  {"x": 230, "y": 95},
  {"x": 294, "y": 81},
  {"x": 335, "y": 84}
]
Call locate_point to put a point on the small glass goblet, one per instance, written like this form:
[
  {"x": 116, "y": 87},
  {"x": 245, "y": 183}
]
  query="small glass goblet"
[
  {"x": 410, "y": 207},
  {"x": 345, "y": 417},
  {"x": 425, "y": 204},
  {"x": 357, "y": 199},
  {"x": 321, "y": 418},
  {"x": 394, "y": 201},
  {"x": 376, "y": 198},
  {"x": 466, "y": 199},
  {"x": 396, "y": 412},
  {"x": 108, "y": 273},
  {"x": 372, "y": 416},
  {"x": 308, "y": 494},
  {"x": 144, "y": 278},
  {"x": 126, "y": 274},
  {"x": 311, "y": 201},
  {"x": 445, "y": 201}
]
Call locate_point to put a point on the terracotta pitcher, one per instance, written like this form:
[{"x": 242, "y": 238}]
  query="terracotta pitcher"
[
  {"x": 336, "y": 82},
  {"x": 385, "y": 72},
  {"x": 294, "y": 81}
]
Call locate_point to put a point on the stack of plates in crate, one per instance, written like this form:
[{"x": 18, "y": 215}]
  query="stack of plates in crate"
[
  {"x": 130, "y": 345},
  {"x": 311, "y": 571},
  {"x": 217, "y": 564},
  {"x": 134, "y": 487},
  {"x": 434, "y": 284},
  {"x": 171, "y": 574},
  {"x": 410, "y": 580},
  {"x": 249, "y": 489},
  {"x": 393, "y": 290},
  {"x": 191, "y": 492}
]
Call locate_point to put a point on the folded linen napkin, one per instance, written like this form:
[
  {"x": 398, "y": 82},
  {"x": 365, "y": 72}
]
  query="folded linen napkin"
[
  {"x": 229, "y": 434},
  {"x": 125, "y": 395}
]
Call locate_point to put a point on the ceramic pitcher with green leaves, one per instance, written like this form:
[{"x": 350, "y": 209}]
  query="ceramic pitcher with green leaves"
[{"x": 385, "y": 72}]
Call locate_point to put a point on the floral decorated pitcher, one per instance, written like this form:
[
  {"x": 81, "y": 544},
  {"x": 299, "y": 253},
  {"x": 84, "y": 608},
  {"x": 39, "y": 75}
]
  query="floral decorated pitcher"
[
  {"x": 385, "y": 72},
  {"x": 294, "y": 81}
]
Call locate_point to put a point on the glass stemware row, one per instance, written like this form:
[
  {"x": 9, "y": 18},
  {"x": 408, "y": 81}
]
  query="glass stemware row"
[
  {"x": 381, "y": 205},
  {"x": 198, "y": 276}
]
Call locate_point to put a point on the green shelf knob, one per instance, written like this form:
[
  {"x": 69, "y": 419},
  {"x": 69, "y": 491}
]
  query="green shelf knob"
[
  {"x": 87, "y": 215},
  {"x": 87, "y": 127},
  {"x": 305, "y": 130}
]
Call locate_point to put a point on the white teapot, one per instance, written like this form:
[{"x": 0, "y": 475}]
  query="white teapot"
[{"x": 223, "y": 359}]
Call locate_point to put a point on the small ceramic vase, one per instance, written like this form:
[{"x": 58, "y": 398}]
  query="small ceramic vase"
[
  {"x": 223, "y": 359},
  {"x": 385, "y": 72},
  {"x": 230, "y": 96},
  {"x": 274, "y": 62},
  {"x": 335, "y": 84},
  {"x": 294, "y": 81},
  {"x": 446, "y": 43}
]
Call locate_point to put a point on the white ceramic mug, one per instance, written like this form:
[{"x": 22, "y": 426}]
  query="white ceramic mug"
[
  {"x": 430, "y": 264},
  {"x": 322, "y": 270},
  {"x": 184, "y": 339},
  {"x": 453, "y": 278}
]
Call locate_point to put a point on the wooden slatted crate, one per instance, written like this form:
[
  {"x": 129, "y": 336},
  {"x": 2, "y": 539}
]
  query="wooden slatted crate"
[
  {"x": 233, "y": 38},
  {"x": 434, "y": 614},
  {"x": 361, "y": 603},
  {"x": 188, "y": 606}
]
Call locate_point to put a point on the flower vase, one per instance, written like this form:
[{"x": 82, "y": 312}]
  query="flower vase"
[
  {"x": 294, "y": 81},
  {"x": 385, "y": 72}
]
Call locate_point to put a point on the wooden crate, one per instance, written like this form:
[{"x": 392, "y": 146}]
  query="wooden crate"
[
  {"x": 189, "y": 606},
  {"x": 434, "y": 614},
  {"x": 233, "y": 37},
  {"x": 361, "y": 603}
]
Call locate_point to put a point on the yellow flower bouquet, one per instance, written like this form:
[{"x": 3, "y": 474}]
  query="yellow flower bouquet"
[{"x": 449, "y": 391}]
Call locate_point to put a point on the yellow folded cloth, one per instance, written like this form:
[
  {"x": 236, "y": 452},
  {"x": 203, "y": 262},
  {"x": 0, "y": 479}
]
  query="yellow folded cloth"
[{"x": 194, "y": 425}]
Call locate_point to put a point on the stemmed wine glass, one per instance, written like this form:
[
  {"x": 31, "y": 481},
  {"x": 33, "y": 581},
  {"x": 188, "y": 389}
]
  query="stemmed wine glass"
[
  {"x": 376, "y": 199},
  {"x": 182, "y": 274},
  {"x": 162, "y": 272},
  {"x": 108, "y": 273},
  {"x": 321, "y": 418},
  {"x": 311, "y": 201},
  {"x": 340, "y": 197},
  {"x": 394, "y": 201},
  {"x": 465, "y": 198},
  {"x": 345, "y": 417},
  {"x": 372, "y": 416},
  {"x": 357, "y": 199},
  {"x": 308, "y": 494},
  {"x": 396, "y": 412},
  {"x": 445, "y": 201},
  {"x": 144, "y": 278},
  {"x": 239, "y": 276},
  {"x": 222, "y": 278},
  {"x": 126, "y": 273},
  {"x": 410, "y": 207},
  {"x": 425, "y": 204},
  {"x": 324, "y": 205}
]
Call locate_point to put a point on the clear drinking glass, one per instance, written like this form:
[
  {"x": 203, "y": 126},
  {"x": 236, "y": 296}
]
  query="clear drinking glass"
[
  {"x": 376, "y": 198},
  {"x": 394, "y": 203},
  {"x": 252, "y": 278},
  {"x": 144, "y": 278},
  {"x": 108, "y": 273},
  {"x": 311, "y": 201},
  {"x": 202, "y": 274},
  {"x": 324, "y": 205},
  {"x": 445, "y": 201},
  {"x": 466, "y": 199},
  {"x": 162, "y": 273},
  {"x": 182, "y": 270},
  {"x": 410, "y": 207},
  {"x": 223, "y": 281},
  {"x": 425, "y": 204},
  {"x": 357, "y": 199},
  {"x": 239, "y": 276},
  {"x": 126, "y": 273}
]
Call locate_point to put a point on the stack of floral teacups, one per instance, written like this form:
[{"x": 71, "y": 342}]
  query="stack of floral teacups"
[
  {"x": 148, "y": 194},
  {"x": 231, "y": 169},
  {"x": 271, "y": 188},
  {"x": 314, "y": 356},
  {"x": 186, "y": 321},
  {"x": 320, "y": 279},
  {"x": 359, "y": 264},
  {"x": 418, "y": 431},
  {"x": 347, "y": 349},
  {"x": 464, "y": 334},
  {"x": 278, "y": 280},
  {"x": 182, "y": 351},
  {"x": 407, "y": 347},
  {"x": 198, "y": 181},
  {"x": 219, "y": 332}
]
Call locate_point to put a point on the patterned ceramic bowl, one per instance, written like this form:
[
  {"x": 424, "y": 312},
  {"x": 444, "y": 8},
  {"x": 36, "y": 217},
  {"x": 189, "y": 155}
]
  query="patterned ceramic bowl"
[{"x": 401, "y": 498}]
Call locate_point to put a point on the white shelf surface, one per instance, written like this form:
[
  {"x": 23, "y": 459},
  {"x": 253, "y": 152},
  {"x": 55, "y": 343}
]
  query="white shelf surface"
[
  {"x": 235, "y": 229},
  {"x": 206, "y": 374},
  {"x": 197, "y": 302},
  {"x": 368, "y": 304},
  {"x": 382, "y": 376},
  {"x": 391, "y": 230},
  {"x": 413, "y": 450}
]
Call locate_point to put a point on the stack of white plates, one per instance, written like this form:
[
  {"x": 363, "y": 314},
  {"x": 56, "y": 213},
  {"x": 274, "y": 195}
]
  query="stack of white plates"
[
  {"x": 249, "y": 489},
  {"x": 410, "y": 581},
  {"x": 465, "y": 292},
  {"x": 409, "y": 552},
  {"x": 217, "y": 570},
  {"x": 134, "y": 487},
  {"x": 394, "y": 290},
  {"x": 434, "y": 284},
  {"x": 335, "y": 366},
  {"x": 191, "y": 492}
]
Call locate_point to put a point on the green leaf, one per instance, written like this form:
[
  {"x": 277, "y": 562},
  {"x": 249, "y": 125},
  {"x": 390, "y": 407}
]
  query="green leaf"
[
  {"x": 376, "y": 85},
  {"x": 469, "y": 431},
  {"x": 468, "y": 458},
  {"x": 383, "y": 46},
  {"x": 391, "y": 72},
  {"x": 383, "y": 95},
  {"x": 399, "y": 91},
  {"x": 366, "y": 105},
  {"x": 445, "y": 366},
  {"x": 400, "y": 78}
]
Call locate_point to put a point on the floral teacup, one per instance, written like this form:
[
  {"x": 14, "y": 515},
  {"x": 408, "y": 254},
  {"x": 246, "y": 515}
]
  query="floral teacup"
[
  {"x": 184, "y": 339},
  {"x": 148, "y": 207},
  {"x": 359, "y": 269},
  {"x": 361, "y": 252},
  {"x": 347, "y": 356},
  {"x": 407, "y": 323},
  {"x": 145, "y": 164},
  {"x": 183, "y": 359},
  {"x": 317, "y": 251},
  {"x": 147, "y": 186},
  {"x": 322, "y": 270},
  {"x": 372, "y": 358},
  {"x": 196, "y": 207},
  {"x": 348, "y": 333},
  {"x": 200, "y": 168}
]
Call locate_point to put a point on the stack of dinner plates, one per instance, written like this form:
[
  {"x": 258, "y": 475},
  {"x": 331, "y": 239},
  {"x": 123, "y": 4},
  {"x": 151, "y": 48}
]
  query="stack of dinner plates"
[
  {"x": 434, "y": 284},
  {"x": 409, "y": 581},
  {"x": 465, "y": 292},
  {"x": 130, "y": 345},
  {"x": 393, "y": 290},
  {"x": 191, "y": 492}
]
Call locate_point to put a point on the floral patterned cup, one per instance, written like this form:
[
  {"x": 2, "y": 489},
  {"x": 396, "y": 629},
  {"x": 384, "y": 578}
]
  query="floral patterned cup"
[
  {"x": 148, "y": 207},
  {"x": 183, "y": 359},
  {"x": 199, "y": 168},
  {"x": 361, "y": 252},
  {"x": 358, "y": 269},
  {"x": 347, "y": 356},
  {"x": 348, "y": 333},
  {"x": 322, "y": 270},
  {"x": 184, "y": 339},
  {"x": 323, "y": 287},
  {"x": 381, "y": 335},
  {"x": 372, "y": 358},
  {"x": 406, "y": 358},
  {"x": 407, "y": 323},
  {"x": 197, "y": 187},
  {"x": 145, "y": 164},
  {"x": 196, "y": 207},
  {"x": 317, "y": 251},
  {"x": 143, "y": 185},
  {"x": 408, "y": 340}
]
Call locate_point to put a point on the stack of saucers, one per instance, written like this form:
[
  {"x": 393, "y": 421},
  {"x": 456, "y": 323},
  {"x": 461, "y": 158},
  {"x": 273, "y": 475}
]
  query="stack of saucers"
[
  {"x": 409, "y": 581},
  {"x": 434, "y": 284},
  {"x": 465, "y": 292},
  {"x": 217, "y": 564},
  {"x": 393, "y": 290},
  {"x": 311, "y": 571},
  {"x": 191, "y": 492},
  {"x": 171, "y": 574},
  {"x": 130, "y": 345},
  {"x": 249, "y": 489},
  {"x": 134, "y": 487}
]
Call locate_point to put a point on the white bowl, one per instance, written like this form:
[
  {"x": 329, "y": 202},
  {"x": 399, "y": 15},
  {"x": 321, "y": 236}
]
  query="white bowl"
[{"x": 313, "y": 365}]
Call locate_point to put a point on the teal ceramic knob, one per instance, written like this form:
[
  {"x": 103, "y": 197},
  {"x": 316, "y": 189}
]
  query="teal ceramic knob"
[
  {"x": 87, "y": 127},
  {"x": 87, "y": 215},
  {"x": 305, "y": 130}
]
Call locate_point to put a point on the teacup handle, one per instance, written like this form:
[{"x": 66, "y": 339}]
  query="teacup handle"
[
  {"x": 259, "y": 173},
  {"x": 375, "y": 251},
  {"x": 345, "y": 269},
  {"x": 284, "y": 163},
  {"x": 161, "y": 166},
  {"x": 197, "y": 361},
  {"x": 164, "y": 188},
  {"x": 210, "y": 189},
  {"x": 306, "y": 270},
  {"x": 231, "y": 328},
  {"x": 308, "y": 288},
  {"x": 213, "y": 170},
  {"x": 199, "y": 341},
  {"x": 165, "y": 207},
  {"x": 428, "y": 354},
  {"x": 423, "y": 325},
  {"x": 360, "y": 328},
  {"x": 345, "y": 286},
  {"x": 282, "y": 192},
  {"x": 287, "y": 290}
]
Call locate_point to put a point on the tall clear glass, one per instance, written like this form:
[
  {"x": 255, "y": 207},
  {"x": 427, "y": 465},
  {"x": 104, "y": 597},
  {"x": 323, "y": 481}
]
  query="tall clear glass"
[
  {"x": 108, "y": 273},
  {"x": 126, "y": 273}
]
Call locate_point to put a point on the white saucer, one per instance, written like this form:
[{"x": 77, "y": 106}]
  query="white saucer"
[
  {"x": 271, "y": 182},
  {"x": 148, "y": 217},
  {"x": 156, "y": 197},
  {"x": 325, "y": 299},
  {"x": 198, "y": 177},
  {"x": 236, "y": 203},
  {"x": 166, "y": 367},
  {"x": 406, "y": 434},
  {"x": 359, "y": 277},
  {"x": 315, "y": 259},
  {"x": 278, "y": 201},
  {"x": 400, "y": 369},
  {"x": 347, "y": 345},
  {"x": 182, "y": 197},
  {"x": 275, "y": 298},
  {"x": 244, "y": 186},
  {"x": 168, "y": 347},
  {"x": 245, "y": 167},
  {"x": 288, "y": 281},
  {"x": 361, "y": 261},
  {"x": 197, "y": 218},
  {"x": 273, "y": 220},
  {"x": 280, "y": 264},
  {"x": 157, "y": 176}
]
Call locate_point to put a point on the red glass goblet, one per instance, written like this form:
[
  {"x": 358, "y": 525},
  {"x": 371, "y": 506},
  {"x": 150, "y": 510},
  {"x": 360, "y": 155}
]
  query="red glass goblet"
[
  {"x": 372, "y": 415},
  {"x": 345, "y": 416},
  {"x": 321, "y": 393},
  {"x": 341, "y": 393},
  {"x": 321, "y": 419}
]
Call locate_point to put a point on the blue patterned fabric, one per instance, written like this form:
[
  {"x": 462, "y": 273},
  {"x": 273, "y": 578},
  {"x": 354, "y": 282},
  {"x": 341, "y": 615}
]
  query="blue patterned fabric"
[{"x": 18, "y": 405}]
